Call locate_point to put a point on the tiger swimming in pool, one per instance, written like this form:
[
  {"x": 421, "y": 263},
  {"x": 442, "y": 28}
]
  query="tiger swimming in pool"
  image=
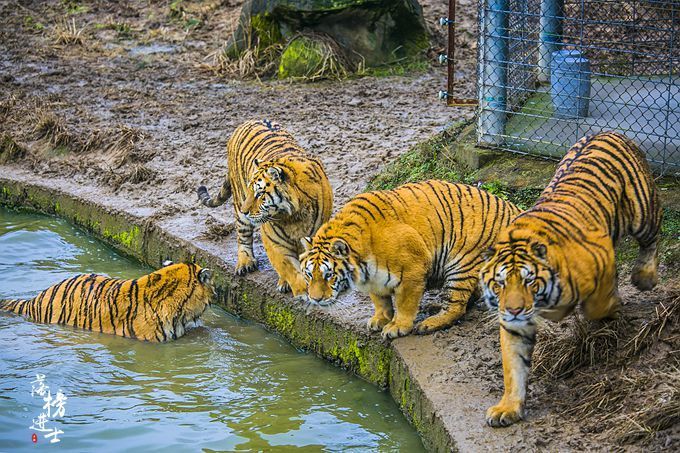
[
  {"x": 560, "y": 253},
  {"x": 157, "y": 307},
  {"x": 392, "y": 243},
  {"x": 278, "y": 187}
]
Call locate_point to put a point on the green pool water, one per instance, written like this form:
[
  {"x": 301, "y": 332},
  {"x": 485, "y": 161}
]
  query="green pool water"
[{"x": 226, "y": 386}]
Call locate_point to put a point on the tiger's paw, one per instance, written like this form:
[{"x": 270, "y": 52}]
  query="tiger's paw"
[
  {"x": 282, "y": 286},
  {"x": 394, "y": 330},
  {"x": 644, "y": 277},
  {"x": 244, "y": 266},
  {"x": 376, "y": 323},
  {"x": 502, "y": 415}
]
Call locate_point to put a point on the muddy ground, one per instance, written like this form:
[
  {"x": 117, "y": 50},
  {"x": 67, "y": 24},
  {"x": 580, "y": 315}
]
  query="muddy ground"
[{"x": 124, "y": 99}]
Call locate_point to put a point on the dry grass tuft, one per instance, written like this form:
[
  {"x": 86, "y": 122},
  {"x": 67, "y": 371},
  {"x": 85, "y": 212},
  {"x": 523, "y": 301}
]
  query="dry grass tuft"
[
  {"x": 657, "y": 395},
  {"x": 251, "y": 62},
  {"x": 120, "y": 145},
  {"x": 136, "y": 174},
  {"x": 10, "y": 150},
  {"x": 562, "y": 349},
  {"x": 216, "y": 229},
  {"x": 254, "y": 60},
  {"x": 68, "y": 33},
  {"x": 51, "y": 128}
]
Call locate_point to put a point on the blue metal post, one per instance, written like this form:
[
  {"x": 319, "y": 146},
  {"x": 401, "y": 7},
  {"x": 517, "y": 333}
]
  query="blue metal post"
[
  {"x": 493, "y": 74},
  {"x": 552, "y": 17}
]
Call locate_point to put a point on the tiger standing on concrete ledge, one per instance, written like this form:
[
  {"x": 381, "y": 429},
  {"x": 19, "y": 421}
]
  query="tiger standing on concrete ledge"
[
  {"x": 560, "y": 252},
  {"x": 393, "y": 243},
  {"x": 157, "y": 307},
  {"x": 277, "y": 186}
]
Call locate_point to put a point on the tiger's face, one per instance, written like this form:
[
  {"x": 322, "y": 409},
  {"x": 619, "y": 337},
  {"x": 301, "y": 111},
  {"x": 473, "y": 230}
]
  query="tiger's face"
[
  {"x": 518, "y": 280},
  {"x": 268, "y": 196},
  {"x": 327, "y": 270}
]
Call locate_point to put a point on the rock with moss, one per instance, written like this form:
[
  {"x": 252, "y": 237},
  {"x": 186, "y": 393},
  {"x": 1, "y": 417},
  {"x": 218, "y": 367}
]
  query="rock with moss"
[{"x": 372, "y": 32}]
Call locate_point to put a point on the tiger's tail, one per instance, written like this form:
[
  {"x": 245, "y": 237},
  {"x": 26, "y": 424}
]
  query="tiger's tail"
[
  {"x": 225, "y": 194},
  {"x": 18, "y": 306}
]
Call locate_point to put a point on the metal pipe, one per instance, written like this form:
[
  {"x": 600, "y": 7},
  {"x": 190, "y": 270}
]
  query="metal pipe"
[
  {"x": 493, "y": 72},
  {"x": 550, "y": 35}
]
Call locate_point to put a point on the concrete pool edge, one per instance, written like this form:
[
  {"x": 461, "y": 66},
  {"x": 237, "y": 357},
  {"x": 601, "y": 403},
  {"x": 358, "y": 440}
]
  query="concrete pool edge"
[{"x": 346, "y": 346}]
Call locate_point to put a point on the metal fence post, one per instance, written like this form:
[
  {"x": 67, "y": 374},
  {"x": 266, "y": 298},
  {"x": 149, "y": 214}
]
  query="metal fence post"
[
  {"x": 552, "y": 15},
  {"x": 493, "y": 72}
]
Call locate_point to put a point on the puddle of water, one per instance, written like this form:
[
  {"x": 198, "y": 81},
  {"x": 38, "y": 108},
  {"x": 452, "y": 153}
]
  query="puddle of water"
[
  {"x": 151, "y": 49},
  {"x": 229, "y": 385}
]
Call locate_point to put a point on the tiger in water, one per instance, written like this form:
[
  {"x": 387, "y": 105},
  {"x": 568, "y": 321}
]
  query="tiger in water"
[
  {"x": 278, "y": 187},
  {"x": 391, "y": 244},
  {"x": 157, "y": 307},
  {"x": 560, "y": 253}
]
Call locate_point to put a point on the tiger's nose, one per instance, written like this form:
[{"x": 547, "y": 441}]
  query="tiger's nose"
[{"x": 515, "y": 311}]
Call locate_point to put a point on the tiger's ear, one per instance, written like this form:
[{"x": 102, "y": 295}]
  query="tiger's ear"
[
  {"x": 539, "y": 250},
  {"x": 204, "y": 275},
  {"x": 306, "y": 243},
  {"x": 340, "y": 248},
  {"x": 275, "y": 173},
  {"x": 257, "y": 163},
  {"x": 488, "y": 253}
]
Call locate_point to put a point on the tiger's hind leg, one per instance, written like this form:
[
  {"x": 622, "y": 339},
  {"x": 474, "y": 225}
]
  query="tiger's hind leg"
[
  {"x": 645, "y": 275},
  {"x": 458, "y": 293},
  {"x": 246, "y": 258},
  {"x": 645, "y": 270}
]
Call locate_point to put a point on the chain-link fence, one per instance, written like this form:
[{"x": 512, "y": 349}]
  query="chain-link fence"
[{"x": 552, "y": 71}]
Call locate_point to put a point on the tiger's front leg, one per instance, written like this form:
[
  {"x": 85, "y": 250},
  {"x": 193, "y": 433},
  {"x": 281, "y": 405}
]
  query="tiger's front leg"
[
  {"x": 285, "y": 262},
  {"x": 517, "y": 345},
  {"x": 406, "y": 302},
  {"x": 246, "y": 258}
]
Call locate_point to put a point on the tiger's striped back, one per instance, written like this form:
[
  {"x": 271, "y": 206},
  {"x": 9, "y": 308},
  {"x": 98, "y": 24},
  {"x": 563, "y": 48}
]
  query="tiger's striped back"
[
  {"x": 603, "y": 182},
  {"x": 156, "y": 307}
]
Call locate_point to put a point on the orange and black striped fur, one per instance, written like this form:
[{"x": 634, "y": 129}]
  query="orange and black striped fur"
[
  {"x": 560, "y": 253},
  {"x": 157, "y": 307},
  {"x": 394, "y": 243},
  {"x": 279, "y": 187}
]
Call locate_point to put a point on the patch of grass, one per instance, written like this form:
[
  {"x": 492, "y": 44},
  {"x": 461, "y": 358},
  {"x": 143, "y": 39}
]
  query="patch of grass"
[
  {"x": 423, "y": 161},
  {"x": 74, "y": 6},
  {"x": 31, "y": 24}
]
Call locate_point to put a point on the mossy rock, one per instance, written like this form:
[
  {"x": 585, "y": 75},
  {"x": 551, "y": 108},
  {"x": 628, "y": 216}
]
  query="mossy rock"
[
  {"x": 377, "y": 32},
  {"x": 302, "y": 58}
]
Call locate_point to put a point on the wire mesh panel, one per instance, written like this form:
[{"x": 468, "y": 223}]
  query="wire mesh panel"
[{"x": 552, "y": 71}]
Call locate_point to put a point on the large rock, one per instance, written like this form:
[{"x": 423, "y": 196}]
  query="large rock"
[{"x": 375, "y": 31}]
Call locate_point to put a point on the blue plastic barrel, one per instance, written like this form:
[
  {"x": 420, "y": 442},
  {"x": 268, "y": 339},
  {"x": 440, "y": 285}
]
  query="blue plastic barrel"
[{"x": 570, "y": 84}]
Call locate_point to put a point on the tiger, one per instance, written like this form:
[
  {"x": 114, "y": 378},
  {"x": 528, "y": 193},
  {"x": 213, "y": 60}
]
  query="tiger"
[
  {"x": 396, "y": 243},
  {"x": 156, "y": 307},
  {"x": 560, "y": 253},
  {"x": 278, "y": 187}
]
